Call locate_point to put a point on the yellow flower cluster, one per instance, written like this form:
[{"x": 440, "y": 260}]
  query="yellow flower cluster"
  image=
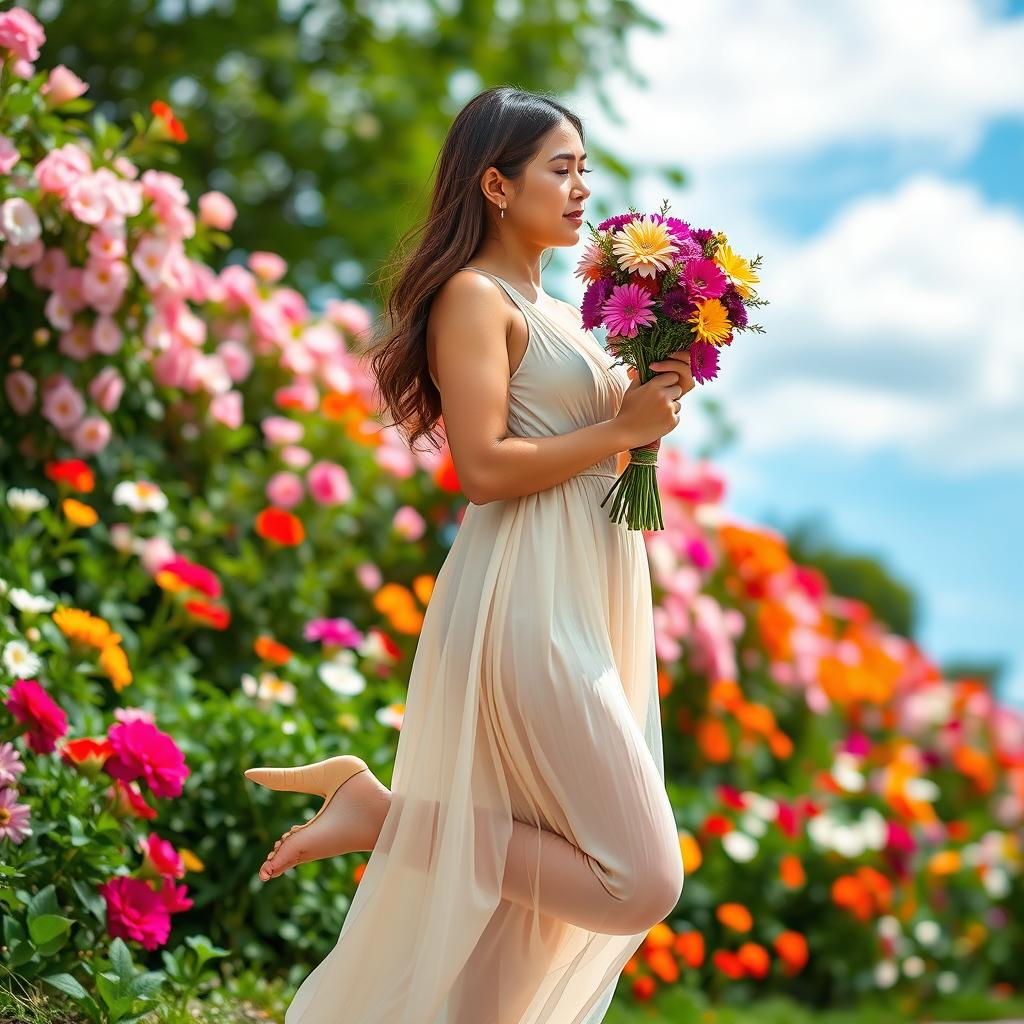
[{"x": 92, "y": 631}]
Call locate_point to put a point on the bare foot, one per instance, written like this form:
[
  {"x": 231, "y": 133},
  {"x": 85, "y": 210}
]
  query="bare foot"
[{"x": 351, "y": 823}]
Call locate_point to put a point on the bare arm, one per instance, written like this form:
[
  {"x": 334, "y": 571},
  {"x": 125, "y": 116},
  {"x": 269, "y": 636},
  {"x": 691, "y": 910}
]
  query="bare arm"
[{"x": 471, "y": 320}]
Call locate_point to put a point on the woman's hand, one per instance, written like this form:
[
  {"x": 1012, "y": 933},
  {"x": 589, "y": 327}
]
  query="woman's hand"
[{"x": 661, "y": 410}]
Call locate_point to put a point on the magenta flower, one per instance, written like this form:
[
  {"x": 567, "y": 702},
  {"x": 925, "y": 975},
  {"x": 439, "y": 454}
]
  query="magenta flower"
[
  {"x": 135, "y": 911},
  {"x": 703, "y": 279},
  {"x": 161, "y": 858},
  {"x": 30, "y": 704},
  {"x": 173, "y": 896},
  {"x": 337, "y": 632},
  {"x": 141, "y": 750},
  {"x": 628, "y": 308},
  {"x": 196, "y": 576},
  {"x": 13, "y": 817},
  {"x": 703, "y": 361}
]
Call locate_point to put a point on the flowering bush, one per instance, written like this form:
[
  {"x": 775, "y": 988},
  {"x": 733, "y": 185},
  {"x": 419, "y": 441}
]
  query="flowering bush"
[
  {"x": 202, "y": 528},
  {"x": 213, "y": 556}
]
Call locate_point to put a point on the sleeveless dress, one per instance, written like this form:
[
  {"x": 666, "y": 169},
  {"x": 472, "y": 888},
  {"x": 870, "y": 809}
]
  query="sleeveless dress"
[{"x": 533, "y": 695}]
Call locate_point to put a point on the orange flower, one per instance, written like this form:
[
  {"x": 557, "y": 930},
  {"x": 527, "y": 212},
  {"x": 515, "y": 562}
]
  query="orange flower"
[
  {"x": 396, "y": 602},
  {"x": 659, "y": 937},
  {"x": 849, "y": 892},
  {"x": 756, "y": 718},
  {"x": 445, "y": 476},
  {"x": 270, "y": 650},
  {"x": 735, "y": 916},
  {"x": 78, "y": 512},
  {"x": 780, "y": 744},
  {"x": 336, "y": 405},
  {"x": 423, "y": 587},
  {"x": 792, "y": 949},
  {"x": 211, "y": 614},
  {"x": 775, "y": 624},
  {"x": 190, "y": 860},
  {"x": 277, "y": 524},
  {"x": 74, "y": 472},
  {"x": 690, "y": 946},
  {"x": 713, "y": 740},
  {"x": 791, "y": 871},
  {"x": 754, "y": 958},
  {"x": 945, "y": 862},
  {"x": 175, "y": 129},
  {"x": 690, "y": 849},
  {"x": 631, "y": 965},
  {"x": 663, "y": 964},
  {"x": 725, "y": 695},
  {"x": 84, "y": 627},
  {"x": 114, "y": 662}
]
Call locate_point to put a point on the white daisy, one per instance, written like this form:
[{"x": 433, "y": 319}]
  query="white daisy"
[
  {"x": 26, "y": 499},
  {"x": 140, "y": 496},
  {"x": 20, "y": 661},
  {"x": 25, "y": 601},
  {"x": 342, "y": 677}
]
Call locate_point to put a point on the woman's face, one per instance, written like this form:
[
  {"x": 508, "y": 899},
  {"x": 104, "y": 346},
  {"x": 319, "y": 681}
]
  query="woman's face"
[{"x": 553, "y": 186}]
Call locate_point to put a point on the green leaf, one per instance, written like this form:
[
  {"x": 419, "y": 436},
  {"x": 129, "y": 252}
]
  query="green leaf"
[
  {"x": 121, "y": 959},
  {"x": 46, "y": 927}
]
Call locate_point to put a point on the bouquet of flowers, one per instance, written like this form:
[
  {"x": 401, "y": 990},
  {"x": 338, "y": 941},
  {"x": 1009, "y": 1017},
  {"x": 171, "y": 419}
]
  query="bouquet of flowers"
[{"x": 659, "y": 287}]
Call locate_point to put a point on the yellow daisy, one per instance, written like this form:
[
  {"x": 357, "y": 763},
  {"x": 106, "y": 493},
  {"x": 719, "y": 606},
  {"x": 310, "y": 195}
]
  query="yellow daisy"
[
  {"x": 711, "y": 321},
  {"x": 736, "y": 269},
  {"x": 643, "y": 247}
]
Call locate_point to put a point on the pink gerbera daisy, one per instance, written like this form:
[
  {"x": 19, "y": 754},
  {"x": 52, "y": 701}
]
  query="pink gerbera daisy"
[
  {"x": 703, "y": 279},
  {"x": 13, "y": 817},
  {"x": 628, "y": 308},
  {"x": 703, "y": 361}
]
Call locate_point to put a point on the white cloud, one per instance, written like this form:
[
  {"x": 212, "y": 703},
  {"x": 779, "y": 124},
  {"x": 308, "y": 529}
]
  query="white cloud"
[
  {"x": 736, "y": 80},
  {"x": 898, "y": 327}
]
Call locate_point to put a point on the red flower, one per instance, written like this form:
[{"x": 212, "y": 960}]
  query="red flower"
[
  {"x": 129, "y": 801},
  {"x": 86, "y": 754},
  {"x": 281, "y": 526},
  {"x": 74, "y": 472},
  {"x": 212, "y": 614},
  {"x": 141, "y": 750},
  {"x": 197, "y": 577},
  {"x": 135, "y": 911},
  {"x": 30, "y": 704},
  {"x": 174, "y": 127}
]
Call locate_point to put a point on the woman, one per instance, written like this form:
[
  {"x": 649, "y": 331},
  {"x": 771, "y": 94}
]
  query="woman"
[{"x": 527, "y": 844}]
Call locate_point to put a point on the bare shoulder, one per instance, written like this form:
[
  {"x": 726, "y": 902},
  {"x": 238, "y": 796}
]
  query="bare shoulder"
[
  {"x": 468, "y": 293},
  {"x": 467, "y": 326}
]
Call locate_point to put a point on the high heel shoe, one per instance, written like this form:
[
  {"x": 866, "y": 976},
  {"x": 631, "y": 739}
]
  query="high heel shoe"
[{"x": 322, "y": 778}]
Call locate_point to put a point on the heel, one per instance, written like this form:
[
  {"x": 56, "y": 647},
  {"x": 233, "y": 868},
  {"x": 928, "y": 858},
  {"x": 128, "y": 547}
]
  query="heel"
[{"x": 321, "y": 778}]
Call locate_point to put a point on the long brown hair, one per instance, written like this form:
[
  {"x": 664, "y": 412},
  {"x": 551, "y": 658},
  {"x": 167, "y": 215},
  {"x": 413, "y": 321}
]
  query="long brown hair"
[{"x": 502, "y": 127}]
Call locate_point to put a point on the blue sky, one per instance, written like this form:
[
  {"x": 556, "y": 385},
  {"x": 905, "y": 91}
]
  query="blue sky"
[{"x": 873, "y": 154}]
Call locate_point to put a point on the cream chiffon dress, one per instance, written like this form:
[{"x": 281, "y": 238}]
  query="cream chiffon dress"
[{"x": 532, "y": 697}]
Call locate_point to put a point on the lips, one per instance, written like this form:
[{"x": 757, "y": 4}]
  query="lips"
[{"x": 575, "y": 215}]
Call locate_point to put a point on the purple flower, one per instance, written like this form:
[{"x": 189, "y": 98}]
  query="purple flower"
[
  {"x": 734, "y": 307},
  {"x": 617, "y": 221},
  {"x": 677, "y": 305},
  {"x": 593, "y": 299}
]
